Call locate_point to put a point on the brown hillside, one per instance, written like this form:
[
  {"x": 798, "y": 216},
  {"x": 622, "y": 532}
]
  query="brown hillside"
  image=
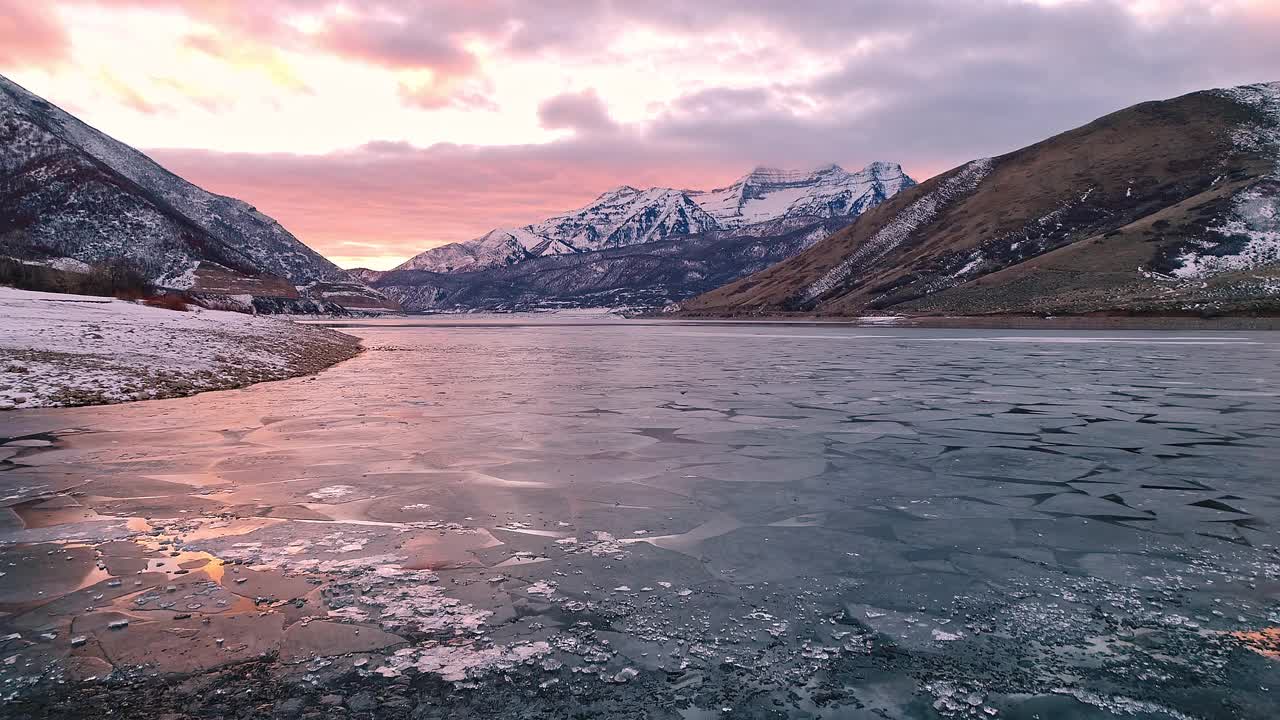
[{"x": 1099, "y": 218}]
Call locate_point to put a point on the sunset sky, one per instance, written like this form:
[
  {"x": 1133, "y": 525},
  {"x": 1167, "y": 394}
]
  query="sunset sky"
[{"x": 374, "y": 130}]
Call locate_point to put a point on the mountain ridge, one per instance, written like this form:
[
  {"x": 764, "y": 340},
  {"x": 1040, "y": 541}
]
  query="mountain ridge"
[
  {"x": 1163, "y": 207},
  {"x": 68, "y": 190}
]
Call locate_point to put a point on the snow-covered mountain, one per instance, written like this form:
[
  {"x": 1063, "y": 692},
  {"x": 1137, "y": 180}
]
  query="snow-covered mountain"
[
  {"x": 628, "y": 216},
  {"x": 623, "y": 216},
  {"x": 71, "y": 191}
]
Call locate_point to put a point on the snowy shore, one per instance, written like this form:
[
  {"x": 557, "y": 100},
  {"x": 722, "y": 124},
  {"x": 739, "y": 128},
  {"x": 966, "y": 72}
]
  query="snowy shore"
[{"x": 60, "y": 350}]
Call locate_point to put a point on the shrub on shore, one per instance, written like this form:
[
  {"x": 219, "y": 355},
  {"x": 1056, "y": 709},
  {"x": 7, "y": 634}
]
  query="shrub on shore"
[
  {"x": 169, "y": 301},
  {"x": 113, "y": 279}
]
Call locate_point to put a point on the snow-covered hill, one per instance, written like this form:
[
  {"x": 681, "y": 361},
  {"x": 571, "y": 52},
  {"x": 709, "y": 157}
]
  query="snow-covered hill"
[
  {"x": 764, "y": 199},
  {"x": 73, "y": 192}
]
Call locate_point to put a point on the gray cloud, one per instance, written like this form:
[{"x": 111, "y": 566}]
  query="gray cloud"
[
  {"x": 961, "y": 80},
  {"x": 397, "y": 44},
  {"x": 931, "y": 83},
  {"x": 581, "y": 112}
]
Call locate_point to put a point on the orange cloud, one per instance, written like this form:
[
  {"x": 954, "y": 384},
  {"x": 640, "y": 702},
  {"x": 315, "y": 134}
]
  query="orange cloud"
[
  {"x": 127, "y": 95},
  {"x": 196, "y": 94},
  {"x": 248, "y": 53},
  {"x": 434, "y": 93}
]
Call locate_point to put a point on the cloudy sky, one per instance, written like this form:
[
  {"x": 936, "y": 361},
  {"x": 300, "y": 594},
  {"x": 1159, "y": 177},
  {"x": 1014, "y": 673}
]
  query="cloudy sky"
[{"x": 375, "y": 129}]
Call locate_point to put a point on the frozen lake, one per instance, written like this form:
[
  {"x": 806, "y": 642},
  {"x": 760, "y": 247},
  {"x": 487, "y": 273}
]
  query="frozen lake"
[{"x": 671, "y": 520}]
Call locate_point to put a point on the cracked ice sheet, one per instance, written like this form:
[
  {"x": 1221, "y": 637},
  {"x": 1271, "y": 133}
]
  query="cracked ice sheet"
[{"x": 998, "y": 498}]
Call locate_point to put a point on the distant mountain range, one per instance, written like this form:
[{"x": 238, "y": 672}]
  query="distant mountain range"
[
  {"x": 639, "y": 277},
  {"x": 642, "y": 248},
  {"x": 1167, "y": 208},
  {"x": 71, "y": 197},
  {"x": 627, "y": 216}
]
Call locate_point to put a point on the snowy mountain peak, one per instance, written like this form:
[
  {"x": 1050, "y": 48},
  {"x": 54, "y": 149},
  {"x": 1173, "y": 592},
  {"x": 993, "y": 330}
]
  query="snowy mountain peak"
[
  {"x": 829, "y": 191},
  {"x": 769, "y": 176},
  {"x": 620, "y": 191},
  {"x": 772, "y": 174},
  {"x": 627, "y": 215},
  {"x": 883, "y": 169}
]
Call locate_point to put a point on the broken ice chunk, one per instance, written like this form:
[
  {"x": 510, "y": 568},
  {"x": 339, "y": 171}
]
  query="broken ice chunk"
[
  {"x": 943, "y": 636},
  {"x": 542, "y": 587},
  {"x": 624, "y": 675}
]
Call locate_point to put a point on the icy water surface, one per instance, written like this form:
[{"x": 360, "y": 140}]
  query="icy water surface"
[{"x": 628, "y": 520}]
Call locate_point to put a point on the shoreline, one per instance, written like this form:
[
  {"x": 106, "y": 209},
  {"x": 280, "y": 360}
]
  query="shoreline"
[
  {"x": 971, "y": 322},
  {"x": 73, "y": 351},
  {"x": 994, "y": 322}
]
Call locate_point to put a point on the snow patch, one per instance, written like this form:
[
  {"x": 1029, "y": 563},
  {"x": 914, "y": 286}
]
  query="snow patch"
[
  {"x": 1250, "y": 236},
  {"x": 332, "y": 492},
  {"x": 1254, "y": 222}
]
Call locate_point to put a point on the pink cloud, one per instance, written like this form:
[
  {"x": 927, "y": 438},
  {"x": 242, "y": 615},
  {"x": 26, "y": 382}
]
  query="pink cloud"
[
  {"x": 392, "y": 199},
  {"x": 30, "y": 34},
  {"x": 414, "y": 43},
  {"x": 396, "y": 44}
]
